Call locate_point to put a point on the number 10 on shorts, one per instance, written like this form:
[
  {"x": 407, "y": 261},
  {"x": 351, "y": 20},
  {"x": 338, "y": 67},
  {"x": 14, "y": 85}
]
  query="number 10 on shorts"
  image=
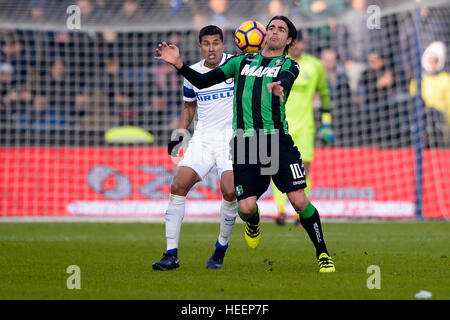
[{"x": 297, "y": 172}]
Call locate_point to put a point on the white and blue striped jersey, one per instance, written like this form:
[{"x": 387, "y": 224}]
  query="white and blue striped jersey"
[{"x": 214, "y": 104}]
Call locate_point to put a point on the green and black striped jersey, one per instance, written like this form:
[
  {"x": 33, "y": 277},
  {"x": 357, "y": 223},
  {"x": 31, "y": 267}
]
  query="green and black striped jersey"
[{"x": 254, "y": 107}]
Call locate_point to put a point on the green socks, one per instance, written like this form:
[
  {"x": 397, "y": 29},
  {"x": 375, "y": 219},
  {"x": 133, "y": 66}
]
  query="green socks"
[
  {"x": 310, "y": 219},
  {"x": 307, "y": 212},
  {"x": 253, "y": 219}
]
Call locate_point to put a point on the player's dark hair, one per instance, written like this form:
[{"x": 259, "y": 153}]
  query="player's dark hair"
[
  {"x": 210, "y": 31},
  {"x": 292, "y": 31}
]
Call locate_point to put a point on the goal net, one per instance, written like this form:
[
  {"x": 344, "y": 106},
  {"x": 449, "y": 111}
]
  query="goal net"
[{"x": 86, "y": 112}]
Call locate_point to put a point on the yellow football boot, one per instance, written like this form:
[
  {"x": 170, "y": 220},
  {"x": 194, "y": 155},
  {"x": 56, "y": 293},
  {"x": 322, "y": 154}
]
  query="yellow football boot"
[
  {"x": 326, "y": 264},
  {"x": 253, "y": 233}
]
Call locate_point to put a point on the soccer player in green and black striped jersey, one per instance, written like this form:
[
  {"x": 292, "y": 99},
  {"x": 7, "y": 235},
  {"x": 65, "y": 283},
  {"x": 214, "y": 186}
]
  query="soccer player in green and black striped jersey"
[{"x": 262, "y": 85}]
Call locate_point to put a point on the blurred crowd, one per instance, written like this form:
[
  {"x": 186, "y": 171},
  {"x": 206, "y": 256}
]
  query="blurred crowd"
[{"x": 69, "y": 87}]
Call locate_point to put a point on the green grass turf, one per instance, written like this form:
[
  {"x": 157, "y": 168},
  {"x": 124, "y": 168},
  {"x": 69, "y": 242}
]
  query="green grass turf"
[{"x": 115, "y": 262}]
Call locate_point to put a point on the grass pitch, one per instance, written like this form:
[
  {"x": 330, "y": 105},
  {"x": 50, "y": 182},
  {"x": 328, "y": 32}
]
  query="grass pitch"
[{"x": 115, "y": 262}]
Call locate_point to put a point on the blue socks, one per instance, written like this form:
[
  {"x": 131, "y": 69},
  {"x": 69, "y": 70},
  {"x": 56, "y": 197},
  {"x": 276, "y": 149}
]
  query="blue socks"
[
  {"x": 173, "y": 252},
  {"x": 221, "y": 247}
]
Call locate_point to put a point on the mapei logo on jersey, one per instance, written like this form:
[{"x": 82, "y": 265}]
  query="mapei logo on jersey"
[
  {"x": 211, "y": 95},
  {"x": 260, "y": 72}
]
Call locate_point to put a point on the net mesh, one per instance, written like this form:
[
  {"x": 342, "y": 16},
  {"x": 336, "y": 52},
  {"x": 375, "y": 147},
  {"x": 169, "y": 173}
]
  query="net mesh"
[{"x": 73, "y": 103}]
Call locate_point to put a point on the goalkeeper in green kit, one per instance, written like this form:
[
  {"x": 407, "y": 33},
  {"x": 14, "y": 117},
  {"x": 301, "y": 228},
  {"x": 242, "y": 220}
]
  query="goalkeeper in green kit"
[{"x": 300, "y": 114}]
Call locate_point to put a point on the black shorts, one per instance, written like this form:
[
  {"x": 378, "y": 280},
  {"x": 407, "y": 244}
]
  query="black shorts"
[{"x": 262, "y": 160}]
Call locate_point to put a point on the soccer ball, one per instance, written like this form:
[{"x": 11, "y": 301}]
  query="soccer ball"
[{"x": 250, "y": 37}]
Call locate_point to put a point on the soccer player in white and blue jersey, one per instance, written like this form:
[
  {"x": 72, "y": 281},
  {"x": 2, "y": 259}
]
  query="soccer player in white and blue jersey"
[{"x": 207, "y": 149}]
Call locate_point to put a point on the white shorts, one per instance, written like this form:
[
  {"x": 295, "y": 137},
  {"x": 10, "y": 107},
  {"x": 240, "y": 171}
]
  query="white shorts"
[{"x": 203, "y": 153}]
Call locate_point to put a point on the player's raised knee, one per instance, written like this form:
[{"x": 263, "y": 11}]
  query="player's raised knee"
[{"x": 246, "y": 208}]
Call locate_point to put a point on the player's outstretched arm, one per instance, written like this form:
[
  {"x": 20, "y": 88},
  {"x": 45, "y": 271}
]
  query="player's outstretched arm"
[
  {"x": 202, "y": 80},
  {"x": 169, "y": 53}
]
